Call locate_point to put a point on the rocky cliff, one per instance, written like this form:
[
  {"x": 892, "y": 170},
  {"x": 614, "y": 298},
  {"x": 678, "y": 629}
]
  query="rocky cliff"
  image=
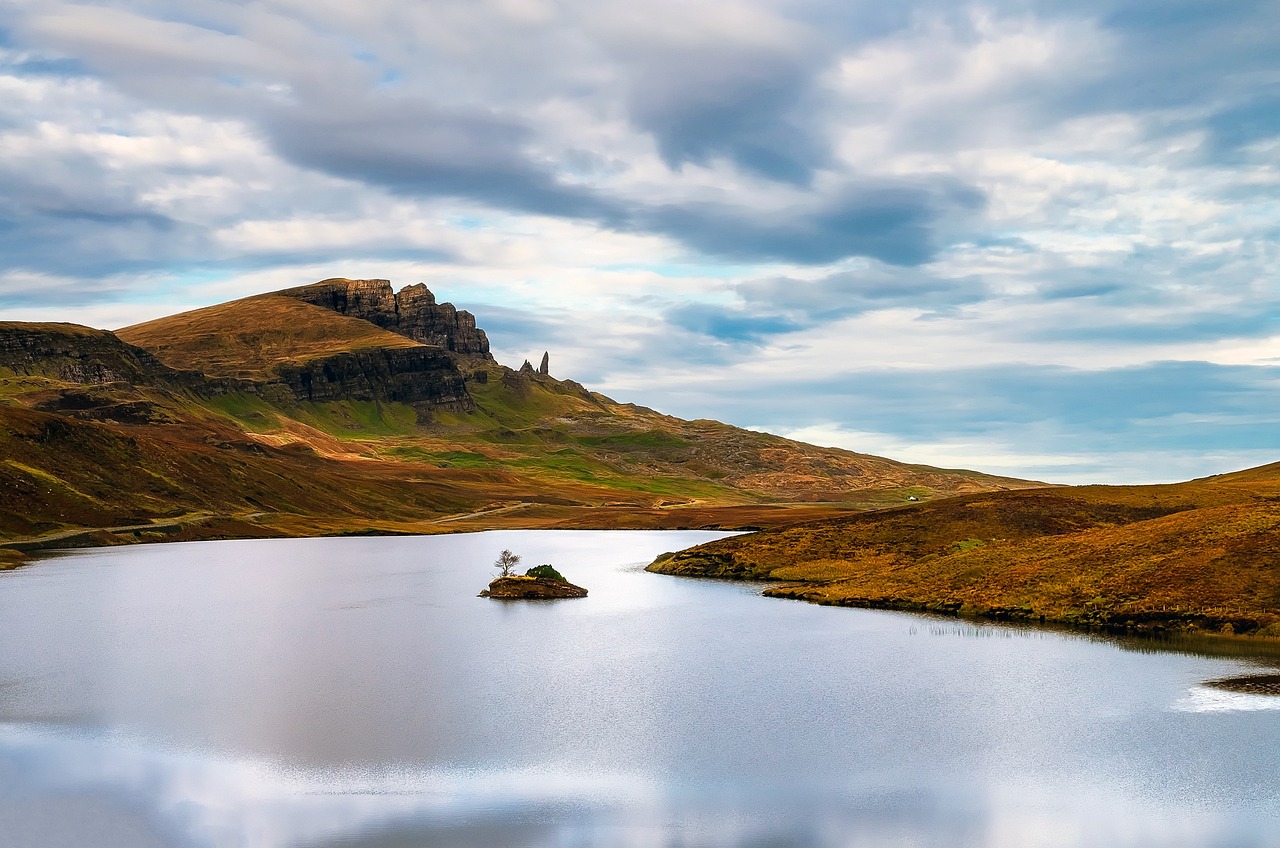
[
  {"x": 418, "y": 376},
  {"x": 412, "y": 312},
  {"x": 77, "y": 354}
]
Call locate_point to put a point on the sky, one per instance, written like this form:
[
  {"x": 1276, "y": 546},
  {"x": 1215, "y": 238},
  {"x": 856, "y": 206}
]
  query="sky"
[{"x": 1031, "y": 238}]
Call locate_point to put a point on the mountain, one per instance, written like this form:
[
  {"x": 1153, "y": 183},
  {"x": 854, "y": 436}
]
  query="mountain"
[
  {"x": 1202, "y": 555},
  {"x": 348, "y": 407}
]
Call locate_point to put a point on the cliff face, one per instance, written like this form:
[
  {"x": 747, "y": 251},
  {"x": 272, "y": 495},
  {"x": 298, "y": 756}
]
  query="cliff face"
[
  {"x": 423, "y": 377},
  {"x": 413, "y": 312},
  {"x": 418, "y": 376},
  {"x": 78, "y": 354}
]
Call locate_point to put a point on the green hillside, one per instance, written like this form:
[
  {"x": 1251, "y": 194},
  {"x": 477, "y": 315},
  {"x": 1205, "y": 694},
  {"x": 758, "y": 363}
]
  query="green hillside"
[{"x": 276, "y": 415}]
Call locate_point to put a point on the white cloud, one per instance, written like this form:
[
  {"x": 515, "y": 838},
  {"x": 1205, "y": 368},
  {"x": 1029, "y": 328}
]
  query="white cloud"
[{"x": 169, "y": 175}]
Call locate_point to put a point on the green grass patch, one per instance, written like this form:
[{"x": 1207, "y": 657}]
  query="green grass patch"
[
  {"x": 357, "y": 418},
  {"x": 967, "y": 545},
  {"x": 443, "y": 459},
  {"x": 250, "y": 411},
  {"x": 49, "y": 479},
  {"x": 509, "y": 408}
]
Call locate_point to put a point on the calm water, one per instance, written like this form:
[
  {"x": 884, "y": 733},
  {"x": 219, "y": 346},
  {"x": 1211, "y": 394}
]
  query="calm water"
[{"x": 356, "y": 692}]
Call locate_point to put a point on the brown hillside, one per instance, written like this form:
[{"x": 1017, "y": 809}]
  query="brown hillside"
[
  {"x": 250, "y": 338},
  {"x": 1201, "y": 554},
  {"x": 322, "y": 410}
]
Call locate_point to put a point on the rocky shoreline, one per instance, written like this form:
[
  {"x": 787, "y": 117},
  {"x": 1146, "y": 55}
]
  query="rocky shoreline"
[{"x": 531, "y": 588}]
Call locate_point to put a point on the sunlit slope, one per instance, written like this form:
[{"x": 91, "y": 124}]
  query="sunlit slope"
[
  {"x": 554, "y": 429},
  {"x": 273, "y": 415},
  {"x": 60, "y": 473},
  {"x": 251, "y": 338},
  {"x": 1203, "y": 554}
]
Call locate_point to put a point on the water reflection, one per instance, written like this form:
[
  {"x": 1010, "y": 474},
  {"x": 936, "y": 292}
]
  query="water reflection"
[{"x": 355, "y": 692}]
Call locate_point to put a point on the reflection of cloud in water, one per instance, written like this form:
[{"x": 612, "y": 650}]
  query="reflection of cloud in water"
[
  {"x": 198, "y": 800},
  {"x": 1205, "y": 699},
  {"x": 127, "y": 795}
]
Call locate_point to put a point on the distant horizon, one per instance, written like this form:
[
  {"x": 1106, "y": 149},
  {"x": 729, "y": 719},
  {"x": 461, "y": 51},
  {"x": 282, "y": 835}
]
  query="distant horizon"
[{"x": 1035, "y": 240}]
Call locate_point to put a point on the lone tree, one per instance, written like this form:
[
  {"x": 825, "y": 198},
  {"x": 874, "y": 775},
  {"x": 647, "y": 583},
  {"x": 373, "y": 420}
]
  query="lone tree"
[{"x": 506, "y": 563}]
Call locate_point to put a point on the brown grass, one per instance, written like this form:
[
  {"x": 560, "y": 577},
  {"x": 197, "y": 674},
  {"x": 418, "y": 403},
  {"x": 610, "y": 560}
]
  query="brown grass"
[
  {"x": 1203, "y": 554},
  {"x": 248, "y": 338}
]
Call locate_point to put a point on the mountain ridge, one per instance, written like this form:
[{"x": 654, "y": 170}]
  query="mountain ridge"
[{"x": 347, "y": 407}]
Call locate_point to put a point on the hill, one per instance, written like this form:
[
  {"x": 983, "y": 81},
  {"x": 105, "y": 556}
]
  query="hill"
[
  {"x": 251, "y": 338},
  {"x": 1202, "y": 555},
  {"x": 346, "y": 407}
]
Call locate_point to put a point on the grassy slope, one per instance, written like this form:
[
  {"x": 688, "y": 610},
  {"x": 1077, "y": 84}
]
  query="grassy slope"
[
  {"x": 1202, "y": 554},
  {"x": 536, "y": 452},
  {"x": 551, "y": 426},
  {"x": 248, "y": 338}
]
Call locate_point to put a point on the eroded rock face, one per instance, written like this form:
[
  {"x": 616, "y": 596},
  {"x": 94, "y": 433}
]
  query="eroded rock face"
[
  {"x": 418, "y": 376},
  {"x": 422, "y": 377},
  {"x": 515, "y": 588},
  {"x": 413, "y": 312},
  {"x": 78, "y": 355}
]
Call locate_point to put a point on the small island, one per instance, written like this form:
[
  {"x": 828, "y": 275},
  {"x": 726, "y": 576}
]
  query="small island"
[{"x": 539, "y": 582}]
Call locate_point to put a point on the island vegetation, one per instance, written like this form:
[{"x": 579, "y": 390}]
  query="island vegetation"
[{"x": 540, "y": 582}]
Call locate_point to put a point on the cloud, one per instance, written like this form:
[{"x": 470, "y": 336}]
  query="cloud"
[
  {"x": 412, "y": 148},
  {"x": 1065, "y": 425},
  {"x": 731, "y": 81},
  {"x": 767, "y": 307},
  {"x": 898, "y": 222},
  {"x": 759, "y": 192}
]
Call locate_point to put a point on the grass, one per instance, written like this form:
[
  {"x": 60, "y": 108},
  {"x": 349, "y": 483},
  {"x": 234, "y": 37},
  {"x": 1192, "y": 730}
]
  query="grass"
[
  {"x": 535, "y": 452},
  {"x": 250, "y": 338},
  {"x": 1201, "y": 555},
  {"x": 359, "y": 418},
  {"x": 250, "y": 411}
]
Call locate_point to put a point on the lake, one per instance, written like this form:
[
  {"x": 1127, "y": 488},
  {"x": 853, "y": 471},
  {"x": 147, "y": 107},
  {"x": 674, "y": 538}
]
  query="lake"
[{"x": 355, "y": 692}]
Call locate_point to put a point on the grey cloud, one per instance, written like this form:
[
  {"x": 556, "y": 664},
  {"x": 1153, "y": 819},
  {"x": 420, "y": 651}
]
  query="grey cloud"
[
  {"x": 68, "y": 221},
  {"x": 1161, "y": 407},
  {"x": 756, "y": 107},
  {"x": 414, "y": 148},
  {"x": 896, "y": 222},
  {"x": 733, "y": 325},
  {"x": 755, "y": 110},
  {"x": 853, "y": 292},
  {"x": 779, "y": 305},
  {"x": 1254, "y": 120},
  {"x": 1180, "y": 54}
]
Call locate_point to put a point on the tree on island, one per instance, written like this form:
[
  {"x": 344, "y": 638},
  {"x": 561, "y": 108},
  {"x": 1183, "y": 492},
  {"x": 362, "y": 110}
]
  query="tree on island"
[
  {"x": 506, "y": 563},
  {"x": 547, "y": 572}
]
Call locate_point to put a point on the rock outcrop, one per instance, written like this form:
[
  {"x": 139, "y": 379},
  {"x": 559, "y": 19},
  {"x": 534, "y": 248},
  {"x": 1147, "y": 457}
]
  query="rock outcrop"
[
  {"x": 534, "y": 588},
  {"x": 413, "y": 312},
  {"x": 418, "y": 376},
  {"x": 545, "y": 366},
  {"x": 77, "y": 354},
  {"x": 423, "y": 377}
]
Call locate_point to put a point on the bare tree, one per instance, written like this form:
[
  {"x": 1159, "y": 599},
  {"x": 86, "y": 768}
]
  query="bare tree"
[{"x": 506, "y": 563}]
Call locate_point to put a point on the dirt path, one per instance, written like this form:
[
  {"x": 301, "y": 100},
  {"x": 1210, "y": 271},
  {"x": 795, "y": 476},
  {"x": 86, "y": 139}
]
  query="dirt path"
[
  {"x": 497, "y": 510},
  {"x": 50, "y": 540}
]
